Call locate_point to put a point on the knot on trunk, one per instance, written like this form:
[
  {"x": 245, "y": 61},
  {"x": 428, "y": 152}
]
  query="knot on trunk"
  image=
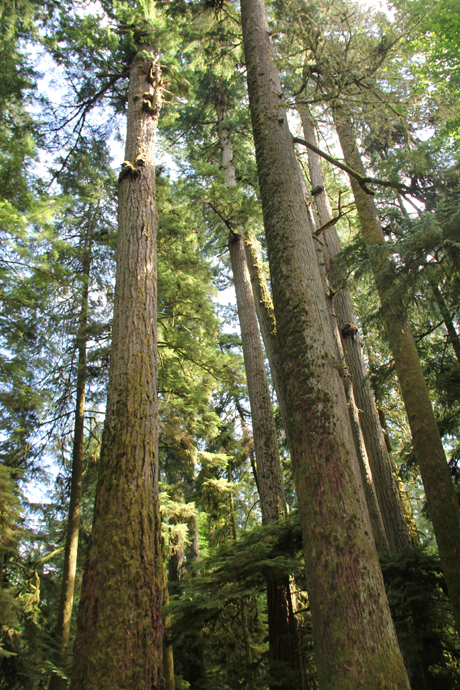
[
  {"x": 317, "y": 190},
  {"x": 349, "y": 330}
]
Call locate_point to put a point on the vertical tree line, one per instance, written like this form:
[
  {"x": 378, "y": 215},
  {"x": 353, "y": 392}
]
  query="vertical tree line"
[{"x": 290, "y": 458}]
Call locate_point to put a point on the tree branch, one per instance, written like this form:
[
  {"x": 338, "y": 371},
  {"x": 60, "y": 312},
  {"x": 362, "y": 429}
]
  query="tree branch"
[{"x": 363, "y": 181}]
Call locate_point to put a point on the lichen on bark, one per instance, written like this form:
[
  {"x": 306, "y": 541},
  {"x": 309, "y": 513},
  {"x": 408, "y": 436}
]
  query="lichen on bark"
[
  {"x": 351, "y": 619},
  {"x": 119, "y": 635}
]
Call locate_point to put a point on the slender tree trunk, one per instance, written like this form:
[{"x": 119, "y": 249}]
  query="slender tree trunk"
[
  {"x": 64, "y": 617},
  {"x": 381, "y": 468},
  {"x": 269, "y": 473},
  {"x": 168, "y": 655},
  {"x": 265, "y": 314},
  {"x": 356, "y": 645},
  {"x": 120, "y": 630},
  {"x": 192, "y": 553},
  {"x": 439, "y": 489}
]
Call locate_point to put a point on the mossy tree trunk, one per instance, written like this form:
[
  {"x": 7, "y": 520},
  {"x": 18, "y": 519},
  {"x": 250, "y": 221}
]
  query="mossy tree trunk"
[
  {"x": 269, "y": 474},
  {"x": 120, "y": 631},
  {"x": 64, "y": 616},
  {"x": 324, "y": 261},
  {"x": 383, "y": 478},
  {"x": 440, "y": 494},
  {"x": 265, "y": 314},
  {"x": 356, "y": 645}
]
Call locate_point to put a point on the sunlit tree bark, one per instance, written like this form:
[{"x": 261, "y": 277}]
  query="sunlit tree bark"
[
  {"x": 356, "y": 645},
  {"x": 119, "y": 636},
  {"x": 383, "y": 479},
  {"x": 439, "y": 489}
]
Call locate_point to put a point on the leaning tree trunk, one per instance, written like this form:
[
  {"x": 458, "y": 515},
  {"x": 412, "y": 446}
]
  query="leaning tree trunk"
[
  {"x": 269, "y": 473},
  {"x": 265, "y": 314},
  {"x": 356, "y": 645},
  {"x": 324, "y": 260},
  {"x": 439, "y": 489},
  {"x": 381, "y": 468},
  {"x": 119, "y": 635},
  {"x": 64, "y": 616}
]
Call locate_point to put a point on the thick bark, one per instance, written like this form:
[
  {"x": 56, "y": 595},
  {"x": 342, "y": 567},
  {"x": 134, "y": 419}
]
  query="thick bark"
[
  {"x": 119, "y": 636},
  {"x": 64, "y": 616},
  {"x": 439, "y": 489},
  {"x": 383, "y": 478},
  {"x": 356, "y": 645}
]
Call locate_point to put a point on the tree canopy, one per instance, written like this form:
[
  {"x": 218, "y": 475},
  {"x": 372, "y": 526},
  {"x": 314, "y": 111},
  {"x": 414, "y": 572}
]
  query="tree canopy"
[{"x": 128, "y": 437}]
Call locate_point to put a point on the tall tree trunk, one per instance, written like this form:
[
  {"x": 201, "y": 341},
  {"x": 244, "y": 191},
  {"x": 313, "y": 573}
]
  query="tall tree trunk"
[
  {"x": 439, "y": 489},
  {"x": 267, "y": 324},
  {"x": 265, "y": 314},
  {"x": 324, "y": 262},
  {"x": 356, "y": 645},
  {"x": 381, "y": 468},
  {"x": 64, "y": 616},
  {"x": 120, "y": 631},
  {"x": 269, "y": 473}
]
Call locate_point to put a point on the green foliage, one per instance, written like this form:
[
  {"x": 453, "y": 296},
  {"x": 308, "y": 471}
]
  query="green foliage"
[
  {"x": 218, "y": 605},
  {"x": 422, "y": 615},
  {"x": 222, "y": 603}
]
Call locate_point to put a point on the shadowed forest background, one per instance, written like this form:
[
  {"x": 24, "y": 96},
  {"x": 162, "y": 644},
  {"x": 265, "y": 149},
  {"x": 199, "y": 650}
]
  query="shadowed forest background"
[{"x": 253, "y": 459}]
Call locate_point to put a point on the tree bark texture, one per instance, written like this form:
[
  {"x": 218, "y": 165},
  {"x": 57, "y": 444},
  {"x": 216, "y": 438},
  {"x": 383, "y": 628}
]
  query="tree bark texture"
[
  {"x": 119, "y": 636},
  {"x": 356, "y": 645},
  {"x": 324, "y": 259},
  {"x": 381, "y": 468},
  {"x": 439, "y": 489},
  {"x": 64, "y": 617},
  {"x": 265, "y": 314},
  {"x": 269, "y": 476}
]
